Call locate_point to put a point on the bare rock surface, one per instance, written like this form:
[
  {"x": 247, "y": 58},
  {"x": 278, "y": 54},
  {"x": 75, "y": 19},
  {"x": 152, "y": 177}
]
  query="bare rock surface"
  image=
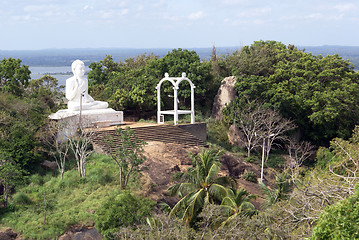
[
  {"x": 49, "y": 165},
  {"x": 162, "y": 161},
  {"x": 234, "y": 135},
  {"x": 81, "y": 233},
  {"x": 9, "y": 234},
  {"x": 226, "y": 94}
]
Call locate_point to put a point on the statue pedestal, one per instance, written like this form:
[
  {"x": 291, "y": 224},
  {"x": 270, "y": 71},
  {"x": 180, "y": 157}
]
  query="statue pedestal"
[{"x": 90, "y": 118}]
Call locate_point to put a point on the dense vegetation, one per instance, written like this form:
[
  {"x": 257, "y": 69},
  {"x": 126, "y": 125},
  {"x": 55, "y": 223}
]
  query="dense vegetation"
[
  {"x": 287, "y": 99},
  {"x": 131, "y": 85}
]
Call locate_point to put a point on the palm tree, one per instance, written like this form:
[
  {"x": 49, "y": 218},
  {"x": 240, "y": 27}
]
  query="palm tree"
[
  {"x": 200, "y": 185},
  {"x": 237, "y": 203},
  {"x": 279, "y": 193}
]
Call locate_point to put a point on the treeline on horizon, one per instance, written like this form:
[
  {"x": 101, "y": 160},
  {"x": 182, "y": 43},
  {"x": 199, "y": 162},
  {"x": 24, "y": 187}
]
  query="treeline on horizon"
[{"x": 64, "y": 57}]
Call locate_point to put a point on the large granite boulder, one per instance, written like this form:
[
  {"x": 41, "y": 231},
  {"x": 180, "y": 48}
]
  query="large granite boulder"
[{"x": 225, "y": 95}]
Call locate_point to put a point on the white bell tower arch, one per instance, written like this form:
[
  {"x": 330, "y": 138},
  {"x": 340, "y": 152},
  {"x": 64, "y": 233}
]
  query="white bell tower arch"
[{"x": 175, "y": 81}]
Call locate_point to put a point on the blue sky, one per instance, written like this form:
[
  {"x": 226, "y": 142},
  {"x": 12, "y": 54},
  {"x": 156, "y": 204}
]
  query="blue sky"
[{"x": 41, "y": 24}]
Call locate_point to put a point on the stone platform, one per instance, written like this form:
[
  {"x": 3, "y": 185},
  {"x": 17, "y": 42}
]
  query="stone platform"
[{"x": 90, "y": 118}]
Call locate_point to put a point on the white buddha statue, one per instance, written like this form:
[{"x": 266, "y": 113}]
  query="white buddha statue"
[{"x": 77, "y": 85}]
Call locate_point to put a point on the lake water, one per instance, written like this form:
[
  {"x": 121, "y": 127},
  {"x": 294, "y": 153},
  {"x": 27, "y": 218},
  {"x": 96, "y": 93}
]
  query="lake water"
[{"x": 61, "y": 73}]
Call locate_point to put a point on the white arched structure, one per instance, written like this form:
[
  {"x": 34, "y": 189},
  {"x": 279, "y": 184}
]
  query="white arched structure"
[{"x": 175, "y": 112}]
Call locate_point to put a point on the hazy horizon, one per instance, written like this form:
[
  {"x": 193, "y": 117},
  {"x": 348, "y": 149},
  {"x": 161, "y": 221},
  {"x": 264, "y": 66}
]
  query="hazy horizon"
[{"x": 164, "y": 48}]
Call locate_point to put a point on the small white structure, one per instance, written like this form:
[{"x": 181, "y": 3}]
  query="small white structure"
[{"x": 175, "y": 81}]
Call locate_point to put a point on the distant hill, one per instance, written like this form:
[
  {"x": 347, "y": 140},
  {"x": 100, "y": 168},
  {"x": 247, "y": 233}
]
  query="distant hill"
[
  {"x": 64, "y": 57},
  {"x": 346, "y": 52}
]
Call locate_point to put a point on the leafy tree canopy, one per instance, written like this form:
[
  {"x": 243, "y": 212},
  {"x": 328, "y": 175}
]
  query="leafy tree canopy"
[
  {"x": 46, "y": 90},
  {"x": 339, "y": 221},
  {"x": 131, "y": 85},
  {"x": 14, "y": 77},
  {"x": 319, "y": 93},
  {"x": 20, "y": 122},
  {"x": 123, "y": 209}
]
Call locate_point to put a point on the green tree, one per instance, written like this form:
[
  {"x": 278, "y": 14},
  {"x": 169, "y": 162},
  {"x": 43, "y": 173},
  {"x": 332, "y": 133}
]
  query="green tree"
[
  {"x": 200, "y": 185},
  {"x": 20, "y": 123},
  {"x": 10, "y": 176},
  {"x": 121, "y": 210},
  {"x": 131, "y": 85},
  {"x": 220, "y": 66},
  {"x": 237, "y": 203},
  {"x": 128, "y": 85},
  {"x": 280, "y": 192},
  {"x": 126, "y": 149},
  {"x": 319, "y": 93},
  {"x": 339, "y": 221},
  {"x": 258, "y": 59},
  {"x": 183, "y": 60},
  {"x": 14, "y": 77},
  {"x": 46, "y": 90}
]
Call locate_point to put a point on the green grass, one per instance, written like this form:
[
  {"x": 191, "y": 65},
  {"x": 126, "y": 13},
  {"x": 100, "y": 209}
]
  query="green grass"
[{"x": 67, "y": 202}]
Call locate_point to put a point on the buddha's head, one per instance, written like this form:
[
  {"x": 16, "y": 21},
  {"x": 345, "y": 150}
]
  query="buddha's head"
[{"x": 78, "y": 68}]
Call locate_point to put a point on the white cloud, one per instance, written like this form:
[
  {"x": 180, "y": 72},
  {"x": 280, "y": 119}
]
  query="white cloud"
[
  {"x": 345, "y": 7},
  {"x": 124, "y": 11},
  {"x": 140, "y": 8},
  {"x": 255, "y": 12},
  {"x": 159, "y": 4},
  {"x": 240, "y": 22},
  {"x": 166, "y": 16},
  {"x": 34, "y": 8},
  {"x": 107, "y": 14},
  {"x": 232, "y": 2},
  {"x": 315, "y": 16},
  {"x": 196, "y": 15},
  {"x": 24, "y": 18},
  {"x": 259, "y": 21}
]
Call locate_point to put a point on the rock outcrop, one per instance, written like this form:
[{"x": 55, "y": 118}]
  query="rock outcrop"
[
  {"x": 82, "y": 233},
  {"x": 234, "y": 135},
  {"x": 226, "y": 94}
]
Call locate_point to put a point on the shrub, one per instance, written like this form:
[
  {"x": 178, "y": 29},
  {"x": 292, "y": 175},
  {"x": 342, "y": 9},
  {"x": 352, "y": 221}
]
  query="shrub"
[
  {"x": 36, "y": 179},
  {"x": 122, "y": 210},
  {"x": 249, "y": 176},
  {"x": 217, "y": 134},
  {"x": 275, "y": 161},
  {"x": 324, "y": 157},
  {"x": 339, "y": 221},
  {"x": 99, "y": 176},
  {"x": 251, "y": 159},
  {"x": 21, "y": 198}
]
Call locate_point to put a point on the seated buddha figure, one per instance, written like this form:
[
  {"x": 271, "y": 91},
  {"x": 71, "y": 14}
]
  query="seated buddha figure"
[{"x": 76, "y": 86}]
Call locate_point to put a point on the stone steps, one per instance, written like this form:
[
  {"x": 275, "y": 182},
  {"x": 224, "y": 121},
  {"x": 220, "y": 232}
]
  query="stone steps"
[{"x": 160, "y": 133}]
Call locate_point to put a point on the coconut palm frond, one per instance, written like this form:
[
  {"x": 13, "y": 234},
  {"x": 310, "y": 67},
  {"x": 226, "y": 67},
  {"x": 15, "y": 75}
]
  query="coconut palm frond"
[
  {"x": 218, "y": 192},
  {"x": 226, "y": 181},
  {"x": 229, "y": 202},
  {"x": 195, "y": 204},
  {"x": 212, "y": 173},
  {"x": 179, "y": 205}
]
